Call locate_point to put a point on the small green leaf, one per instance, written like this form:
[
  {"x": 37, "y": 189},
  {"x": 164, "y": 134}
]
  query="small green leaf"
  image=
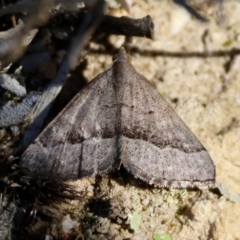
[
  {"x": 160, "y": 236},
  {"x": 135, "y": 220},
  {"x": 156, "y": 190},
  {"x": 227, "y": 43}
]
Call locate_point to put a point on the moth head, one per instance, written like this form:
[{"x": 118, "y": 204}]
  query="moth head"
[{"x": 122, "y": 56}]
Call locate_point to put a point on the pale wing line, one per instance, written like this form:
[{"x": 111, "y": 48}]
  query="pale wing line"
[
  {"x": 79, "y": 98},
  {"x": 57, "y": 163},
  {"x": 101, "y": 84},
  {"x": 52, "y": 139},
  {"x": 96, "y": 84},
  {"x": 67, "y": 129}
]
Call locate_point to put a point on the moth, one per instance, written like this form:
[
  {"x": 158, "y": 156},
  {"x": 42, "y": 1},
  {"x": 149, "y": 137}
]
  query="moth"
[{"x": 120, "y": 119}]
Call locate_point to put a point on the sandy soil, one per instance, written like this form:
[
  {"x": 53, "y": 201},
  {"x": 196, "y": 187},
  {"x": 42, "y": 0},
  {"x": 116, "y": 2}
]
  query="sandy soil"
[{"x": 195, "y": 66}]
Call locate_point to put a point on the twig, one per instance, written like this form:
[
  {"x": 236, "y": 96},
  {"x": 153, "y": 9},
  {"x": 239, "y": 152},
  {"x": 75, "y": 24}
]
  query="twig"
[
  {"x": 142, "y": 27},
  {"x": 11, "y": 84},
  {"x": 12, "y": 114},
  {"x": 37, "y": 18}
]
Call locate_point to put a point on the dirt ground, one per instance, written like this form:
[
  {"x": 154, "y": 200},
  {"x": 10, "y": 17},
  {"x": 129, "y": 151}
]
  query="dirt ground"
[{"x": 195, "y": 66}]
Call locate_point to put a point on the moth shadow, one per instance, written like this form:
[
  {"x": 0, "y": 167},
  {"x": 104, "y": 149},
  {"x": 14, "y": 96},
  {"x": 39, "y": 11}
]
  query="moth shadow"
[
  {"x": 108, "y": 208},
  {"x": 124, "y": 178},
  {"x": 100, "y": 204},
  {"x": 99, "y": 207}
]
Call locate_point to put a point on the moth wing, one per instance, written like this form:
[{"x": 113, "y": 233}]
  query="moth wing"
[
  {"x": 156, "y": 145},
  {"x": 81, "y": 140}
]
